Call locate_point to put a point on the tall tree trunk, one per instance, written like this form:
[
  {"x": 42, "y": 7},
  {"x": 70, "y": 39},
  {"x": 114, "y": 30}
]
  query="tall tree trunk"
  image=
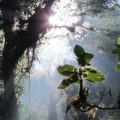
[
  {"x": 10, "y": 103},
  {"x": 14, "y": 47},
  {"x": 8, "y": 67}
]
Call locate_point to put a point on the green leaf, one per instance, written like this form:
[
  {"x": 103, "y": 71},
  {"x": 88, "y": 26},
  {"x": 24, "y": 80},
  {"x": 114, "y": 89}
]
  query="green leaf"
[
  {"x": 79, "y": 51},
  {"x": 83, "y": 58},
  {"x": 65, "y": 83},
  {"x": 116, "y": 50},
  {"x": 95, "y": 77},
  {"x": 66, "y": 70},
  {"x": 74, "y": 78},
  {"x": 88, "y": 58},
  {"x": 118, "y": 41},
  {"x": 93, "y": 70},
  {"x": 118, "y": 67},
  {"x": 90, "y": 69},
  {"x": 81, "y": 61},
  {"x": 117, "y": 45}
]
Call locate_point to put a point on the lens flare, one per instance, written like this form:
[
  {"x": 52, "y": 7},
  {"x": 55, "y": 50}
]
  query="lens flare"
[
  {"x": 64, "y": 13},
  {"x": 55, "y": 20}
]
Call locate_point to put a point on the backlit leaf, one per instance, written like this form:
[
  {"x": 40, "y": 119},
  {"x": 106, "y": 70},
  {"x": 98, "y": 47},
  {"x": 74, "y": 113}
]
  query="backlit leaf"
[
  {"x": 118, "y": 67},
  {"x": 95, "y": 77},
  {"x": 92, "y": 70},
  {"x": 79, "y": 51},
  {"x": 66, "y": 70},
  {"x": 118, "y": 41},
  {"x": 65, "y": 83},
  {"x": 83, "y": 58},
  {"x": 88, "y": 57},
  {"x": 81, "y": 61}
]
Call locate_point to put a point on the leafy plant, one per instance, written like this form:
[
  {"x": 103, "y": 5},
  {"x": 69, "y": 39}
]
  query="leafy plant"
[
  {"x": 116, "y": 50},
  {"x": 77, "y": 75},
  {"x": 85, "y": 71}
]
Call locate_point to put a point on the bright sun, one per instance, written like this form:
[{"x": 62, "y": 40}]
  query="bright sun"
[
  {"x": 55, "y": 20},
  {"x": 63, "y": 14}
]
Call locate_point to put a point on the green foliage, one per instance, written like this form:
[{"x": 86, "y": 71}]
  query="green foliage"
[
  {"x": 118, "y": 41},
  {"x": 79, "y": 51},
  {"x": 73, "y": 78},
  {"x": 85, "y": 71},
  {"x": 116, "y": 50},
  {"x": 90, "y": 69},
  {"x": 88, "y": 58},
  {"x": 118, "y": 66},
  {"x": 83, "y": 57},
  {"x": 95, "y": 77},
  {"x": 66, "y": 70},
  {"x": 76, "y": 75}
]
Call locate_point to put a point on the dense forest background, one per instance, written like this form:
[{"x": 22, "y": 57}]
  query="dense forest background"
[{"x": 24, "y": 29}]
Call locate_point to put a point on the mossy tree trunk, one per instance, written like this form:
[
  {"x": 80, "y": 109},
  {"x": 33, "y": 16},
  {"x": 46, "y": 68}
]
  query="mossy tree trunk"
[{"x": 14, "y": 48}]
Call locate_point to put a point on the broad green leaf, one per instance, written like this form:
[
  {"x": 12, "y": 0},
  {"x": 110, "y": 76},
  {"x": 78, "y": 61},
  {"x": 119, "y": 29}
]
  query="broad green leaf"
[
  {"x": 79, "y": 51},
  {"x": 75, "y": 78},
  {"x": 90, "y": 70},
  {"x": 95, "y": 77},
  {"x": 118, "y": 67},
  {"x": 81, "y": 61},
  {"x": 83, "y": 58},
  {"x": 65, "y": 83},
  {"x": 118, "y": 41},
  {"x": 66, "y": 70},
  {"x": 88, "y": 57},
  {"x": 116, "y": 50},
  {"x": 93, "y": 70}
]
